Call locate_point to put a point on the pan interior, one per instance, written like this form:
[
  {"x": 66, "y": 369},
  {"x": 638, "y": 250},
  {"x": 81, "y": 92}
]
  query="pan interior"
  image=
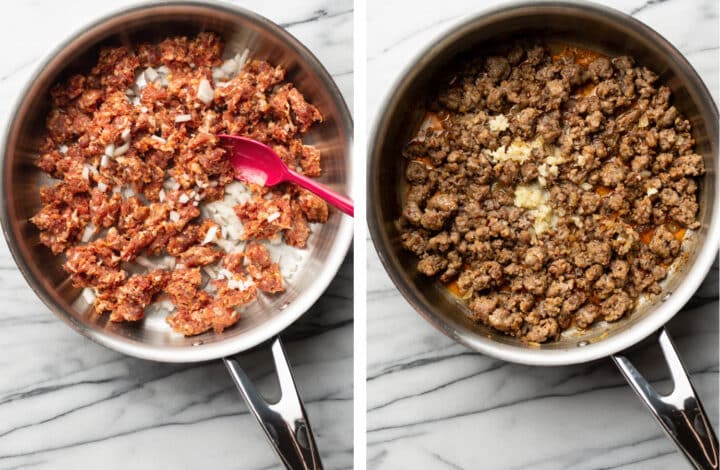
[
  {"x": 572, "y": 25},
  {"x": 152, "y": 338}
]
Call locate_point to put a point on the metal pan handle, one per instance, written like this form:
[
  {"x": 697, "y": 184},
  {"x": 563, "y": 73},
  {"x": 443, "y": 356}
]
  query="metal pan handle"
[
  {"x": 284, "y": 422},
  {"x": 680, "y": 413}
]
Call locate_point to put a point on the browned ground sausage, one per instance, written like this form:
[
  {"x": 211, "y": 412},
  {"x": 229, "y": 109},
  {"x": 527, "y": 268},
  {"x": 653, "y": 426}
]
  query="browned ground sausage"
[{"x": 559, "y": 189}]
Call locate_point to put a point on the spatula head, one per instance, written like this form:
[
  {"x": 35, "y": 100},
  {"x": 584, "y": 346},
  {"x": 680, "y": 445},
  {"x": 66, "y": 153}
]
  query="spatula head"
[{"x": 253, "y": 161}]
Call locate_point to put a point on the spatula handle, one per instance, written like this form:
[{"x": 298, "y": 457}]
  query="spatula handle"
[{"x": 343, "y": 203}]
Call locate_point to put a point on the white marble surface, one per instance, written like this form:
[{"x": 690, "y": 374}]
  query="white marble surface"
[
  {"x": 66, "y": 402},
  {"x": 436, "y": 405}
]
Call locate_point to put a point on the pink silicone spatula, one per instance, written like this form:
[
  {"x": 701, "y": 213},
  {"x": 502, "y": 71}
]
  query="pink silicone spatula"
[{"x": 257, "y": 163}]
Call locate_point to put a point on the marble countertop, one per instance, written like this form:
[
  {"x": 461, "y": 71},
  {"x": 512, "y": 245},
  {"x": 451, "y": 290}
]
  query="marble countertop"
[
  {"x": 66, "y": 402},
  {"x": 434, "y": 404}
]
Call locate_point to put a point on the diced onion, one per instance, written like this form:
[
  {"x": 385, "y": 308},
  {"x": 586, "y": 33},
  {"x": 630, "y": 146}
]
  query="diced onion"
[
  {"x": 102, "y": 186},
  {"x": 183, "y": 118},
  {"x": 169, "y": 183},
  {"x": 63, "y": 149},
  {"x": 109, "y": 150},
  {"x": 273, "y": 216},
  {"x": 229, "y": 67},
  {"x": 167, "y": 303},
  {"x": 145, "y": 262},
  {"x": 88, "y": 295},
  {"x": 227, "y": 245},
  {"x": 218, "y": 74},
  {"x": 234, "y": 229},
  {"x": 88, "y": 170},
  {"x": 125, "y": 135},
  {"x": 183, "y": 199},
  {"x": 205, "y": 92},
  {"x": 239, "y": 284},
  {"x": 211, "y": 235},
  {"x": 121, "y": 150},
  {"x": 104, "y": 161},
  {"x": 210, "y": 271},
  {"x": 158, "y": 138},
  {"x": 174, "y": 216},
  {"x": 151, "y": 74},
  {"x": 141, "y": 81},
  {"x": 242, "y": 59},
  {"x": 88, "y": 233},
  {"x": 161, "y": 195}
]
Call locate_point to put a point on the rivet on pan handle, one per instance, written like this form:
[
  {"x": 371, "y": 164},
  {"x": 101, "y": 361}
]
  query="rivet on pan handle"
[
  {"x": 284, "y": 422},
  {"x": 680, "y": 413}
]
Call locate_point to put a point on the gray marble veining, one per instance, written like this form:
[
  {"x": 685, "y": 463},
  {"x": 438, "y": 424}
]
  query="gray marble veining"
[
  {"x": 66, "y": 402},
  {"x": 434, "y": 404}
]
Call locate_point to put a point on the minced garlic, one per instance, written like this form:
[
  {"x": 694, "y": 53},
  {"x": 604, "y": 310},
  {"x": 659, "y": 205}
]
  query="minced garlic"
[
  {"x": 530, "y": 196},
  {"x": 534, "y": 197},
  {"x": 518, "y": 151},
  {"x": 498, "y": 123}
]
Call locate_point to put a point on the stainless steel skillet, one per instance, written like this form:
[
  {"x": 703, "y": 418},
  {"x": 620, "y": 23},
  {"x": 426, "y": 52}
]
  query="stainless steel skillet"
[
  {"x": 679, "y": 413},
  {"x": 284, "y": 422}
]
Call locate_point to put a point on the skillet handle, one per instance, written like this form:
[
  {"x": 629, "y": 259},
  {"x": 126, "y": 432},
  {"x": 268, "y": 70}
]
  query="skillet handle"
[
  {"x": 680, "y": 413},
  {"x": 284, "y": 422}
]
